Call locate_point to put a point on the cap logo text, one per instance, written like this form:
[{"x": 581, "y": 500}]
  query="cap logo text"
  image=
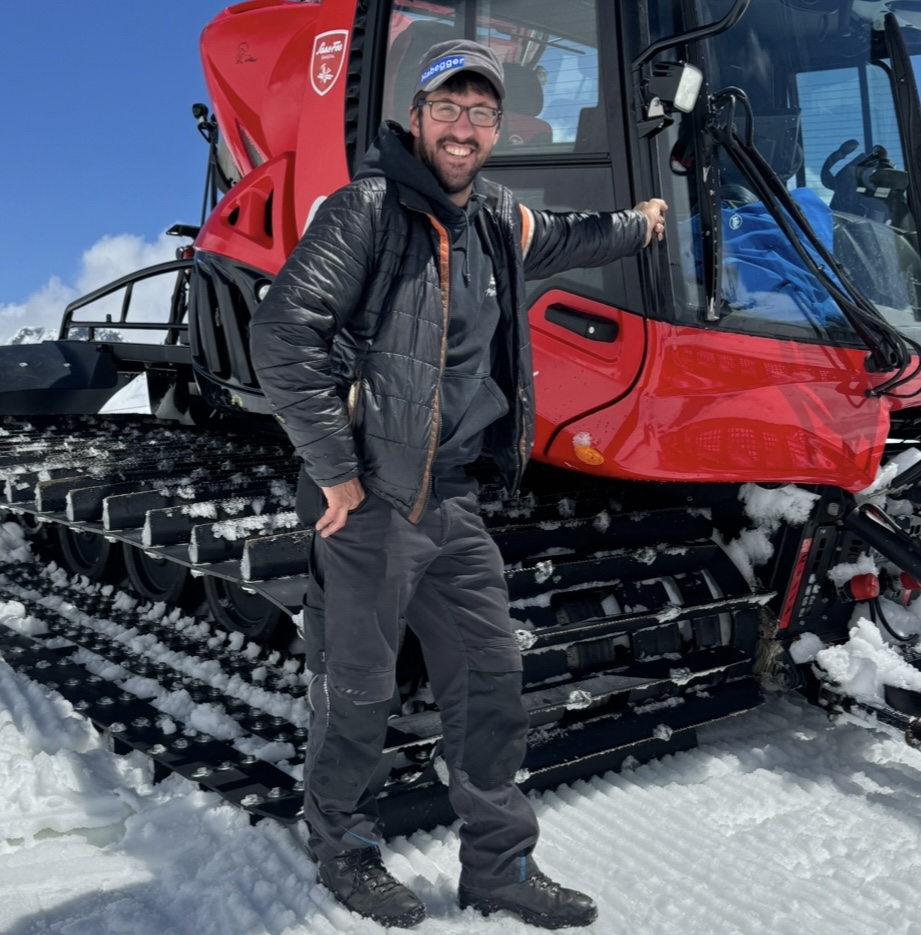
[{"x": 443, "y": 64}]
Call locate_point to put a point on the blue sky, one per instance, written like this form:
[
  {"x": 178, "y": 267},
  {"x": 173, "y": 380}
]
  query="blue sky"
[{"x": 98, "y": 137}]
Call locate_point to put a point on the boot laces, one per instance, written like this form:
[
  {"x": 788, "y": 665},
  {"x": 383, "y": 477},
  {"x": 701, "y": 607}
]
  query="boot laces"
[
  {"x": 542, "y": 881},
  {"x": 371, "y": 870}
]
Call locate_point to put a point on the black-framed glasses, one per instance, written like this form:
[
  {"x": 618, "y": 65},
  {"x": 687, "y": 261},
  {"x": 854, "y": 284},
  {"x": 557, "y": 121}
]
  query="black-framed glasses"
[{"x": 449, "y": 112}]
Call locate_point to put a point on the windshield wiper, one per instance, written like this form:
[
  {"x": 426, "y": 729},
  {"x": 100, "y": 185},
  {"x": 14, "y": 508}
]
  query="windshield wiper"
[
  {"x": 907, "y": 109},
  {"x": 889, "y": 349}
]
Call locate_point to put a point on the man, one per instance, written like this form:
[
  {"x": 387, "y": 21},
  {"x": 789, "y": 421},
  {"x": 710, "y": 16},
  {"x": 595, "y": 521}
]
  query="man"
[{"x": 394, "y": 349}]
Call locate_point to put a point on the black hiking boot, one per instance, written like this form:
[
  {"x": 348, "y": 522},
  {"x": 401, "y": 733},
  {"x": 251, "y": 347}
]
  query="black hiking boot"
[
  {"x": 361, "y": 882},
  {"x": 537, "y": 900}
]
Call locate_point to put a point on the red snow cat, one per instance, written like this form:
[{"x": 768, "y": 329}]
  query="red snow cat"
[{"x": 726, "y": 474}]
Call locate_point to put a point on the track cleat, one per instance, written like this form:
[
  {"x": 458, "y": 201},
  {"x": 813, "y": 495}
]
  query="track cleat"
[
  {"x": 537, "y": 900},
  {"x": 361, "y": 882}
]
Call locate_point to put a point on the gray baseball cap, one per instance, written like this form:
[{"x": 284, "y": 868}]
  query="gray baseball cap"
[{"x": 456, "y": 55}]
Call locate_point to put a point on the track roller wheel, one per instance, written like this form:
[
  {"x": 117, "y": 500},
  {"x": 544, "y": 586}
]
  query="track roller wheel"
[
  {"x": 159, "y": 579},
  {"x": 89, "y": 554},
  {"x": 250, "y": 614}
]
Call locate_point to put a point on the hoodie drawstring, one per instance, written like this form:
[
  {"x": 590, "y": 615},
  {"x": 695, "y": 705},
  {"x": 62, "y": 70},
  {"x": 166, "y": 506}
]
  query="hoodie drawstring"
[
  {"x": 474, "y": 204},
  {"x": 466, "y": 269}
]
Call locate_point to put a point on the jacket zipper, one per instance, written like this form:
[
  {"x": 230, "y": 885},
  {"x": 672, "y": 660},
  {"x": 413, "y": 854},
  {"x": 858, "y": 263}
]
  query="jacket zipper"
[
  {"x": 527, "y": 235},
  {"x": 444, "y": 272},
  {"x": 351, "y": 402}
]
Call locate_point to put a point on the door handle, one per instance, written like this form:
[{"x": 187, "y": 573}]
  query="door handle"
[{"x": 591, "y": 327}]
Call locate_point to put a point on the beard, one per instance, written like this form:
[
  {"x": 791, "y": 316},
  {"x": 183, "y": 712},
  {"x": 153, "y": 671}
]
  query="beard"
[{"x": 453, "y": 179}]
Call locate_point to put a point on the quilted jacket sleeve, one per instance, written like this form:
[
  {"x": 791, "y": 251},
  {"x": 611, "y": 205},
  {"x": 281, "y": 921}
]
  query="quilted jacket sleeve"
[
  {"x": 556, "y": 242},
  {"x": 316, "y": 291}
]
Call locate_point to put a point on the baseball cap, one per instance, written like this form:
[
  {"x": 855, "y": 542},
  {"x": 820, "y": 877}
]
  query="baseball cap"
[{"x": 456, "y": 55}]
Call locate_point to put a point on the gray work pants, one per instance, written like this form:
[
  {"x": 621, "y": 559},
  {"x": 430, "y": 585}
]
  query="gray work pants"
[{"x": 444, "y": 577}]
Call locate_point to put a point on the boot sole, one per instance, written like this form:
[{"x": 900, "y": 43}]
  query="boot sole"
[
  {"x": 405, "y": 921},
  {"x": 489, "y": 906}
]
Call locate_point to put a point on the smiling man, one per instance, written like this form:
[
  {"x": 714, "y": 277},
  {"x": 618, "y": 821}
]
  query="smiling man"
[{"x": 394, "y": 349}]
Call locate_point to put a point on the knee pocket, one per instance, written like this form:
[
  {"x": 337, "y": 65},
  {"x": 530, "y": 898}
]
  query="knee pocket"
[
  {"x": 497, "y": 728},
  {"x": 360, "y": 685}
]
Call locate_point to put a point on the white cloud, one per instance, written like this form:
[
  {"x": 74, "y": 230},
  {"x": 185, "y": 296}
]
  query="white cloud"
[
  {"x": 112, "y": 257},
  {"x": 107, "y": 260},
  {"x": 42, "y": 309}
]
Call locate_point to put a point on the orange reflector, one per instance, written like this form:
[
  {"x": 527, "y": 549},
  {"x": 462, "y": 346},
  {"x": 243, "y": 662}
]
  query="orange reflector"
[
  {"x": 588, "y": 455},
  {"x": 864, "y": 587},
  {"x": 908, "y": 582}
]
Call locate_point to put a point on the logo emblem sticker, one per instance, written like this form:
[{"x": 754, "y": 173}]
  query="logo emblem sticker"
[
  {"x": 327, "y": 59},
  {"x": 244, "y": 56}
]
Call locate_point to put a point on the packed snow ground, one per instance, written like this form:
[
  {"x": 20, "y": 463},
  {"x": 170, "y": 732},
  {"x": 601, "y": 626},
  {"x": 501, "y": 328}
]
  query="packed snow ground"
[{"x": 779, "y": 822}]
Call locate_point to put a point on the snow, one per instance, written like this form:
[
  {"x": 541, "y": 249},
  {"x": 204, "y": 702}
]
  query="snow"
[
  {"x": 866, "y": 663},
  {"x": 889, "y": 471},
  {"x": 806, "y": 647},
  {"x": 768, "y": 509},
  {"x": 13, "y": 546},
  {"x": 780, "y": 821},
  {"x": 233, "y": 529},
  {"x": 841, "y": 574}
]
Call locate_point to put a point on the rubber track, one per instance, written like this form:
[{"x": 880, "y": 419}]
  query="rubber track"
[
  {"x": 415, "y": 798},
  {"x": 604, "y": 683},
  {"x": 260, "y": 788}
]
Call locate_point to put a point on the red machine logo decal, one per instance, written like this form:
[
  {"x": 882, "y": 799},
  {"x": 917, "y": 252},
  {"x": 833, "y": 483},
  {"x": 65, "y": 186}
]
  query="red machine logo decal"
[
  {"x": 327, "y": 59},
  {"x": 243, "y": 54}
]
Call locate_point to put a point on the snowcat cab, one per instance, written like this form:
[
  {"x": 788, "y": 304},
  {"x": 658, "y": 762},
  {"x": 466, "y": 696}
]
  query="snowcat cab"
[
  {"x": 725, "y": 465},
  {"x": 764, "y": 342}
]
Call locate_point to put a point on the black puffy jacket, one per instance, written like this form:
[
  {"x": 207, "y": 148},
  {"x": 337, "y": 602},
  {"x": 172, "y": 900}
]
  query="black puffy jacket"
[{"x": 349, "y": 344}]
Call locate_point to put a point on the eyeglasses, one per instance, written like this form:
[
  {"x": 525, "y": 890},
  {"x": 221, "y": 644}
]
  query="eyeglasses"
[{"x": 449, "y": 112}]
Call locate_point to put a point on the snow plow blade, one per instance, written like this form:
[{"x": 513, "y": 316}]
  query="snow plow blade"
[{"x": 57, "y": 378}]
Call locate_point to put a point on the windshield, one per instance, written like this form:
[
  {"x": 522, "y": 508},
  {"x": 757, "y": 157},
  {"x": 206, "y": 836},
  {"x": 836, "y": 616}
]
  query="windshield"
[{"x": 814, "y": 82}]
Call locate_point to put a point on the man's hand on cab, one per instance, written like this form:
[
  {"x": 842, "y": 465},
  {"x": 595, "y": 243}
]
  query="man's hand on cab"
[{"x": 654, "y": 210}]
